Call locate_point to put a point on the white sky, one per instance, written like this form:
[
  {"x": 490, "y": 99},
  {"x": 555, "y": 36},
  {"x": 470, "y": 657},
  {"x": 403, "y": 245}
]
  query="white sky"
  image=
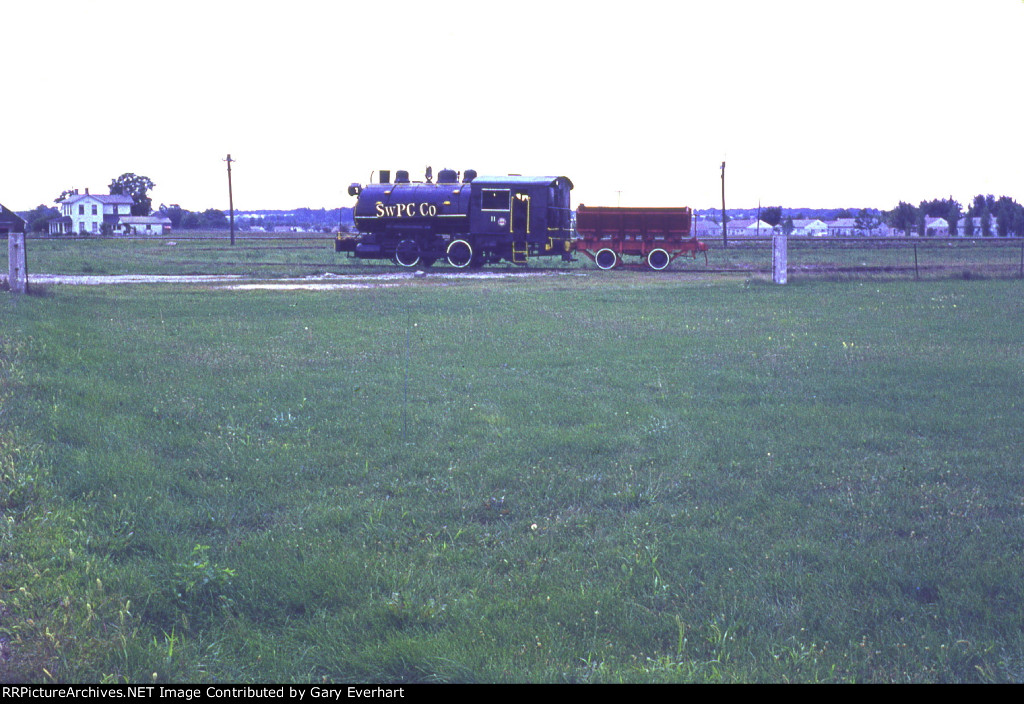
[{"x": 812, "y": 103}]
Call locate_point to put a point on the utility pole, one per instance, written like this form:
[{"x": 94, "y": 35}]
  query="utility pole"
[
  {"x": 231, "y": 199},
  {"x": 725, "y": 238}
]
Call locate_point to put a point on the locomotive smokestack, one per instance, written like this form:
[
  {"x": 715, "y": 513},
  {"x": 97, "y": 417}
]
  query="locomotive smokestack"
[{"x": 385, "y": 176}]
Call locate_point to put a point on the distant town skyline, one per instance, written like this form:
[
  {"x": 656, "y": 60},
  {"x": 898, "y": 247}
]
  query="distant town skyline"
[{"x": 817, "y": 104}]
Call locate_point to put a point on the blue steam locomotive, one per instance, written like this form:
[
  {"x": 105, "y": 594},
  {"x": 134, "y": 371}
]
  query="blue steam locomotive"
[{"x": 467, "y": 222}]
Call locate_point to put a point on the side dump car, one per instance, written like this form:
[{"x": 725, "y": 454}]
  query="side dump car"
[{"x": 656, "y": 235}]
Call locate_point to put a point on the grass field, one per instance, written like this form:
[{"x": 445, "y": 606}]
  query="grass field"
[
  {"x": 305, "y": 256},
  {"x": 551, "y": 479}
]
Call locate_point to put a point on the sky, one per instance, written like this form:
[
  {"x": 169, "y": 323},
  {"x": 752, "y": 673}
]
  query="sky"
[{"x": 811, "y": 103}]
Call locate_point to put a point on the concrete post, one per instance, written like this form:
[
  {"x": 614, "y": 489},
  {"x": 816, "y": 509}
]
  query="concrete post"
[
  {"x": 18, "y": 277},
  {"x": 779, "y": 259}
]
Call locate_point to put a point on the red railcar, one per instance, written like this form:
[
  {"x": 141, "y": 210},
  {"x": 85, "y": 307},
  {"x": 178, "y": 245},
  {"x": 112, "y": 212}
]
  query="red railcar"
[{"x": 657, "y": 235}]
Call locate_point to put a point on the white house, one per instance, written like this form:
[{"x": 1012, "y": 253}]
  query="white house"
[
  {"x": 848, "y": 227},
  {"x": 936, "y": 227},
  {"x": 86, "y": 214},
  {"x": 748, "y": 228},
  {"x": 993, "y": 227},
  {"x": 707, "y": 228},
  {"x": 809, "y": 228}
]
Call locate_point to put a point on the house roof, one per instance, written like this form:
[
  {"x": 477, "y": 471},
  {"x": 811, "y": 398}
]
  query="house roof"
[
  {"x": 747, "y": 223},
  {"x": 11, "y": 220},
  {"x": 143, "y": 220},
  {"x": 111, "y": 200}
]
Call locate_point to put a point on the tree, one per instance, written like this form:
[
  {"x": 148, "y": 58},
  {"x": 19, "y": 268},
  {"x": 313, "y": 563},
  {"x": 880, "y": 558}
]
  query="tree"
[
  {"x": 64, "y": 194},
  {"x": 772, "y": 215},
  {"x": 214, "y": 219},
  {"x": 137, "y": 187},
  {"x": 191, "y": 221},
  {"x": 903, "y": 217},
  {"x": 947, "y": 209},
  {"x": 174, "y": 213},
  {"x": 984, "y": 206},
  {"x": 1005, "y": 210},
  {"x": 1018, "y": 221},
  {"x": 866, "y": 221},
  {"x": 39, "y": 219},
  {"x": 968, "y": 225}
]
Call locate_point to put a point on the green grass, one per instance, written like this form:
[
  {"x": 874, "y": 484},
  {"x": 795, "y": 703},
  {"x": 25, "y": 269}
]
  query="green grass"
[
  {"x": 893, "y": 258},
  {"x": 582, "y": 479}
]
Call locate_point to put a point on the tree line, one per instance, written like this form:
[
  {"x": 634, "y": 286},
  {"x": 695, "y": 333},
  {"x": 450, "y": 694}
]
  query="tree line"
[
  {"x": 1004, "y": 213},
  {"x": 1002, "y": 217},
  {"x": 138, "y": 187}
]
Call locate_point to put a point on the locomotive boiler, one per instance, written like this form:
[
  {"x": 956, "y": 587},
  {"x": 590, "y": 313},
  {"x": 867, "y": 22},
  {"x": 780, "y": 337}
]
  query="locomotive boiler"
[{"x": 468, "y": 221}]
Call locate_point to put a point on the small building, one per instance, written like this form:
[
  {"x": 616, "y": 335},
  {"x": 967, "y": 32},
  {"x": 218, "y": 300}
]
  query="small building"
[
  {"x": 849, "y": 227},
  {"x": 10, "y": 222},
  {"x": 707, "y": 229},
  {"x": 86, "y": 214},
  {"x": 809, "y": 228},
  {"x": 936, "y": 227},
  {"x": 976, "y": 229},
  {"x": 143, "y": 225},
  {"x": 842, "y": 227},
  {"x": 748, "y": 228}
]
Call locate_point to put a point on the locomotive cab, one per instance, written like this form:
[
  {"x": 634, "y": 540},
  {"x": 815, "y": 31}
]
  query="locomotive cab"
[{"x": 516, "y": 217}]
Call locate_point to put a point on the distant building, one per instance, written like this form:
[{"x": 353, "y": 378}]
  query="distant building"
[
  {"x": 936, "y": 227},
  {"x": 842, "y": 227},
  {"x": 86, "y": 214},
  {"x": 143, "y": 225},
  {"x": 993, "y": 227},
  {"x": 707, "y": 228},
  {"x": 809, "y": 228},
  {"x": 848, "y": 227},
  {"x": 748, "y": 228},
  {"x": 10, "y": 221}
]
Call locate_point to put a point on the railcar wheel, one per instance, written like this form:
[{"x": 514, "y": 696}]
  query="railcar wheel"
[
  {"x": 658, "y": 259},
  {"x": 606, "y": 259},
  {"x": 407, "y": 253},
  {"x": 460, "y": 254}
]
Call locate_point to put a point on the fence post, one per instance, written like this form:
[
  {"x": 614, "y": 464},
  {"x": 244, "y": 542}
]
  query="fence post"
[
  {"x": 18, "y": 273},
  {"x": 779, "y": 259}
]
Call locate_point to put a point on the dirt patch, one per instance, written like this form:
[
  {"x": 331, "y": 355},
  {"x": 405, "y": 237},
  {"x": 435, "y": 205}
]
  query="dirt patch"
[
  {"x": 321, "y": 282},
  {"x": 120, "y": 279}
]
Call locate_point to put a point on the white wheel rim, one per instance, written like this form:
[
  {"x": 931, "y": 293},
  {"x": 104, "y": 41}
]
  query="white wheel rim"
[
  {"x": 454, "y": 246},
  {"x": 598, "y": 257},
  {"x": 398, "y": 254},
  {"x": 657, "y": 254}
]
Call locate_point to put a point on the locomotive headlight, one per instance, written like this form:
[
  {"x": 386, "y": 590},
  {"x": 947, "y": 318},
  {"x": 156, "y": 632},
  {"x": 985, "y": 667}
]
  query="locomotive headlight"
[{"x": 354, "y": 189}]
